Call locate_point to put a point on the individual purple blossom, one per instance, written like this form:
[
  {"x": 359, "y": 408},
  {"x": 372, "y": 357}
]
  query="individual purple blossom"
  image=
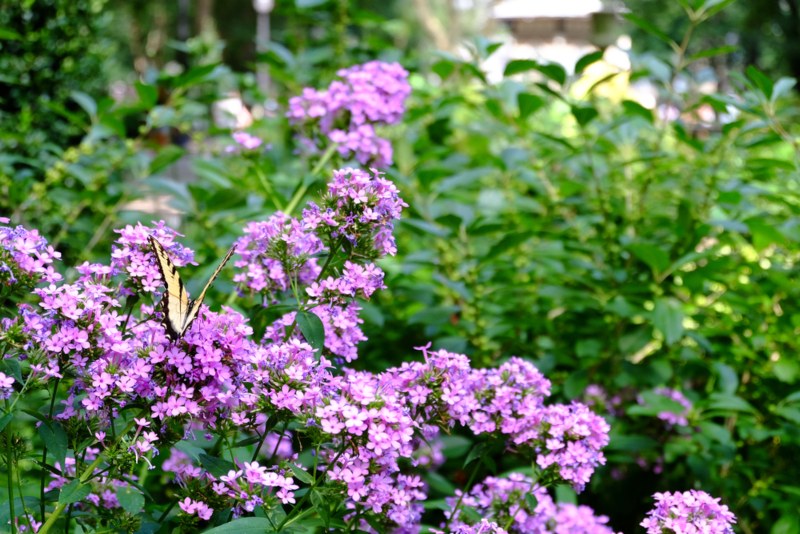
[
  {"x": 347, "y": 111},
  {"x": 6, "y": 386},
  {"x": 688, "y": 512},
  {"x": 25, "y": 257}
]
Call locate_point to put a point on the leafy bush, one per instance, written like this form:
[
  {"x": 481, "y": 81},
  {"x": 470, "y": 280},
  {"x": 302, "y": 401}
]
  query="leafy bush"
[
  {"x": 642, "y": 259},
  {"x": 625, "y": 252},
  {"x": 48, "y": 50}
]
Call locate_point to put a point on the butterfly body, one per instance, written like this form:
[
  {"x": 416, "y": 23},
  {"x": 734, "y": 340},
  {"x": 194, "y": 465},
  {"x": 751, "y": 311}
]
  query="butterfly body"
[{"x": 178, "y": 309}]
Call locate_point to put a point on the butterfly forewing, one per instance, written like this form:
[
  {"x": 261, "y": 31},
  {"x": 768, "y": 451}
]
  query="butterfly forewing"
[{"x": 179, "y": 311}]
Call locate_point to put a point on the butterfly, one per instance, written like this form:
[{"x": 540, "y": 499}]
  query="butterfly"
[{"x": 179, "y": 311}]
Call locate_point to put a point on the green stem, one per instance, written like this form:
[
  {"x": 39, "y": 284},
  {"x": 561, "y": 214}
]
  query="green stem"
[
  {"x": 44, "y": 450},
  {"x": 298, "y": 194},
  {"x": 293, "y": 516},
  {"x": 267, "y": 187},
  {"x": 10, "y": 478},
  {"x": 332, "y": 253},
  {"x": 85, "y": 476},
  {"x": 461, "y": 497}
]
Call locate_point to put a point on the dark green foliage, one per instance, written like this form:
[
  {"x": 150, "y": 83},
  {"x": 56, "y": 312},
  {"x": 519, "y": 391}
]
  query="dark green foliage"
[{"x": 48, "y": 50}]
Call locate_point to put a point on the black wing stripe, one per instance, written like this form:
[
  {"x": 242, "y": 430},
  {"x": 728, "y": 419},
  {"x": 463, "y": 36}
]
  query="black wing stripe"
[{"x": 194, "y": 307}]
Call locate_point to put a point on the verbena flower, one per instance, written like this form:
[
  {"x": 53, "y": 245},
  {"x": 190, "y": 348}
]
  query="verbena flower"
[
  {"x": 347, "y": 111},
  {"x": 688, "y": 512}
]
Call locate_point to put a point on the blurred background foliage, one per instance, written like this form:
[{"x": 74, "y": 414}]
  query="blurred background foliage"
[{"x": 613, "y": 244}]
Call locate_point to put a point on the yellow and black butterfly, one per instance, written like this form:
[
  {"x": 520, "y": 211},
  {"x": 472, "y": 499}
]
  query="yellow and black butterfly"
[{"x": 179, "y": 311}]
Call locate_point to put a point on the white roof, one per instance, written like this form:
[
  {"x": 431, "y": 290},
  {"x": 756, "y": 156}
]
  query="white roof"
[{"x": 532, "y": 9}]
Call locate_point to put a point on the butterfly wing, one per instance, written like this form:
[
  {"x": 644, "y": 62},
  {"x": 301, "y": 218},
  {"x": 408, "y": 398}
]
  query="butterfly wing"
[
  {"x": 194, "y": 306},
  {"x": 175, "y": 302}
]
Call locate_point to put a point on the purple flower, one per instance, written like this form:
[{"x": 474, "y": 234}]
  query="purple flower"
[
  {"x": 347, "y": 111},
  {"x": 502, "y": 501},
  {"x": 247, "y": 141},
  {"x": 689, "y": 512},
  {"x": 676, "y": 416},
  {"x": 25, "y": 257}
]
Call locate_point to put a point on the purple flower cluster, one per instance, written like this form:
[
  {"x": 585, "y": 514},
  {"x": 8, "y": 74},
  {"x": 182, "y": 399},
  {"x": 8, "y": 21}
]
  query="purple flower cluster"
[
  {"x": 502, "y": 505},
  {"x": 25, "y": 257},
  {"x": 360, "y": 209},
  {"x": 370, "y": 433},
  {"x": 275, "y": 254},
  {"x": 355, "y": 218},
  {"x": 689, "y": 512},
  {"x": 573, "y": 437},
  {"x": 348, "y": 110},
  {"x": 132, "y": 255}
]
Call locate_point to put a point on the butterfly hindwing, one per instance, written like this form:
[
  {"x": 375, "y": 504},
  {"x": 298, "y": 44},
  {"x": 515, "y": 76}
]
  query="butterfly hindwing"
[
  {"x": 194, "y": 306},
  {"x": 179, "y": 311}
]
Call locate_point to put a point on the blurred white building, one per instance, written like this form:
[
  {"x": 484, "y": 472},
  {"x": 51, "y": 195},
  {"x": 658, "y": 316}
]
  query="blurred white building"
[{"x": 556, "y": 32}]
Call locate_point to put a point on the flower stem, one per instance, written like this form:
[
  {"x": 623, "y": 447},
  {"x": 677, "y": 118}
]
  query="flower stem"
[
  {"x": 10, "y": 478},
  {"x": 298, "y": 194}
]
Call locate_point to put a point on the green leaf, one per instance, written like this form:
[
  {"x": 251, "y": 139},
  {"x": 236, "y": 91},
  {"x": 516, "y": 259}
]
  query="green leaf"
[
  {"x": 439, "y": 483},
  {"x": 711, "y": 52},
  {"x": 584, "y": 114},
  {"x": 11, "y": 367},
  {"x": 194, "y": 76},
  {"x": 761, "y": 81},
  {"x": 789, "y": 523},
  {"x": 528, "y": 104},
  {"x": 782, "y": 88},
  {"x": 131, "y": 499},
  {"x": 86, "y": 102},
  {"x": 244, "y": 525},
  {"x": 55, "y": 438},
  {"x": 728, "y": 403},
  {"x": 652, "y": 255},
  {"x": 148, "y": 94},
  {"x": 648, "y": 27},
  {"x": 636, "y": 109},
  {"x": 786, "y": 370},
  {"x": 301, "y": 474},
  {"x": 7, "y": 34},
  {"x": 74, "y": 492},
  {"x": 763, "y": 233},
  {"x": 7, "y": 418},
  {"x": 588, "y": 59},
  {"x": 517, "y": 66},
  {"x": 312, "y": 329},
  {"x": 166, "y": 157},
  {"x": 668, "y": 319},
  {"x": 216, "y": 466}
]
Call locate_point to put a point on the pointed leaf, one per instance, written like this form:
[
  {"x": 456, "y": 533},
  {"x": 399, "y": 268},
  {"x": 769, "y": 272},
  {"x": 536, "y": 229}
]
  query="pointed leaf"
[
  {"x": 244, "y": 525},
  {"x": 668, "y": 319},
  {"x": 131, "y": 499},
  {"x": 74, "y": 492},
  {"x": 312, "y": 329}
]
